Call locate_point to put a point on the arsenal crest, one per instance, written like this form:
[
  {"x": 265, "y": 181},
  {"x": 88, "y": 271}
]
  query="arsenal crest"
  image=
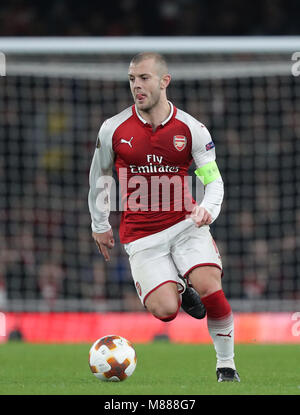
[{"x": 179, "y": 142}]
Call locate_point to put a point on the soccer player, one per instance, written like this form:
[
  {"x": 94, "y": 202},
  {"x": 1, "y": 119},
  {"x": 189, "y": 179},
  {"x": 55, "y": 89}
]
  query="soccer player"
[{"x": 152, "y": 143}]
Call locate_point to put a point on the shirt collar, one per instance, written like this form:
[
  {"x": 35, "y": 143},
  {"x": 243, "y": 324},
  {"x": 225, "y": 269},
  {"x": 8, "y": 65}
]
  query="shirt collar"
[{"x": 164, "y": 122}]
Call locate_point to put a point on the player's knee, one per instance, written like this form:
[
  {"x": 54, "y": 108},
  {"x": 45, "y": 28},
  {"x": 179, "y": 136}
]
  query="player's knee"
[
  {"x": 165, "y": 312},
  {"x": 166, "y": 317},
  {"x": 164, "y": 302}
]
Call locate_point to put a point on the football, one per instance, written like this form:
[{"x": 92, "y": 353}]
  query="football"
[{"x": 112, "y": 358}]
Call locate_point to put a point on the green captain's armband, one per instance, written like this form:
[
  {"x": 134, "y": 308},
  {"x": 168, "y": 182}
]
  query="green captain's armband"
[{"x": 208, "y": 173}]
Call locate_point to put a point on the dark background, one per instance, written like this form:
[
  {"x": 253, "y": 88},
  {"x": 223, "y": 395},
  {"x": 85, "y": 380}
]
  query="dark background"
[
  {"x": 48, "y": 129},
  {"x": 149, "y": 18}
]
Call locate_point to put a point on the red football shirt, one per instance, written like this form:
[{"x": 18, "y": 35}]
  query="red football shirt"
[{"x": 152, "y": 168}]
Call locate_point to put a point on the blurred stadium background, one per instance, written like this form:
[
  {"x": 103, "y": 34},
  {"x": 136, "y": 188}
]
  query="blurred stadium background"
[{"x": 53, "y": 99}]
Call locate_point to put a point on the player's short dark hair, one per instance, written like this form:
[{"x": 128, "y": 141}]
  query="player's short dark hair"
[{"x": 159, "y": 59}]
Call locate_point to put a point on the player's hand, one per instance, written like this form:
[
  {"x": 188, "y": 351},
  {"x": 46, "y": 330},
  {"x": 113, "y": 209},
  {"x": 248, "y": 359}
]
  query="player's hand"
[
  {"x": 201, "y": 216},
  {"x": 104, "y": 241}
]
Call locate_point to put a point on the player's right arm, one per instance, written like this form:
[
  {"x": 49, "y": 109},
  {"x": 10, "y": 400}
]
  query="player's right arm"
[
  {"x": 100, "y": 179},
  {"x": 104, "y": 241}
]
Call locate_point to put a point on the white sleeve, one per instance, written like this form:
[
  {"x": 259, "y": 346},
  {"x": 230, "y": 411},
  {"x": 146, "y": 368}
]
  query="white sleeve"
[
  {"x": 100, "y": 173},
  {"x": 203, "y": 152}
]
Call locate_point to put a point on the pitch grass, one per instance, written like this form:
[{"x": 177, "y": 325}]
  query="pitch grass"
[{"x": 163, "y": 369}]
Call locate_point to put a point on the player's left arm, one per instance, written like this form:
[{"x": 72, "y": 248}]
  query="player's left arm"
[{"x": 204, "y": 155}]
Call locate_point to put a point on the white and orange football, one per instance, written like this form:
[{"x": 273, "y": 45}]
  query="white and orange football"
[{"x": 112, "y": 358}]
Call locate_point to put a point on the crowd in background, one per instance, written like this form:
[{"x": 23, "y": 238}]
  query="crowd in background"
[
  {"x": 48, "y": 134},
  {"x": 47, "y": 251},
  {"x": 153, "y": 18}
]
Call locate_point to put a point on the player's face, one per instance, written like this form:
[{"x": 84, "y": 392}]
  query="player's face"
[{"x": 145, "y": 84}]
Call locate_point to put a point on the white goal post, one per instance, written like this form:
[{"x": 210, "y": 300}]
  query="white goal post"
[
  {"x": 53, "y": 99},
  {"x": 165, "y": 45}
]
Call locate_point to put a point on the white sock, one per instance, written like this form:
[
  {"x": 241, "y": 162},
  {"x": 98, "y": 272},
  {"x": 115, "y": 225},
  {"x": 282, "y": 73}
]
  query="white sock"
[{"x": 222, "y": 334}]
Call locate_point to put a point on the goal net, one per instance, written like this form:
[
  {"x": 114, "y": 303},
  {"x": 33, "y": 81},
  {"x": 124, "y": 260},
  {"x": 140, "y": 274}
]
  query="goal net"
[{"x": 52, "y": 103}]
